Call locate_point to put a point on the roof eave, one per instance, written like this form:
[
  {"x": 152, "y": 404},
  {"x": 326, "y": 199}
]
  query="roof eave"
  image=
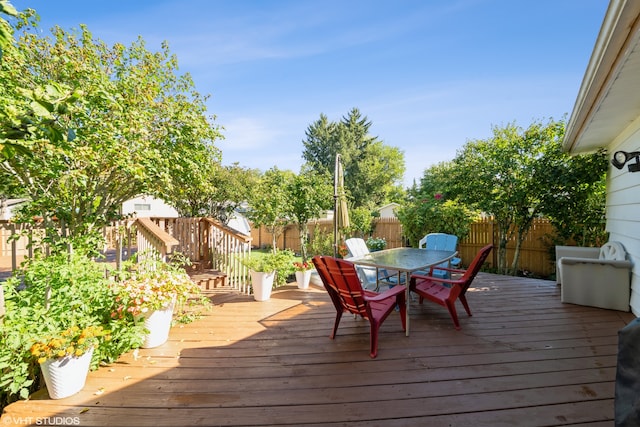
[{"x": 612, "y": 44}]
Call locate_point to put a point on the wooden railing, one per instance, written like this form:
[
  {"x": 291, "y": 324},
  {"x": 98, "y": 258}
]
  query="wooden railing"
[
  {"x": 17, "y": 241},
  {"x": 207, "y": 243},
  {"x": 229, "y": 248},
  {"x": 153, "y": 241}
]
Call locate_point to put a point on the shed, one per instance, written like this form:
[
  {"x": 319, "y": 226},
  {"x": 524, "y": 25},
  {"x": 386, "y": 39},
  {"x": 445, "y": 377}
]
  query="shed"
[{"x": 388, "y": 210}]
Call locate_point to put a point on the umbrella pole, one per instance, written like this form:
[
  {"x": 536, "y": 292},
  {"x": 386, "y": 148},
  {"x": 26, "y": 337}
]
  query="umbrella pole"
[{"x": 335, "y": 207}]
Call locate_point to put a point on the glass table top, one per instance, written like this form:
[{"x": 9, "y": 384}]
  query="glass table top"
[{"x": 404, "y": 259}]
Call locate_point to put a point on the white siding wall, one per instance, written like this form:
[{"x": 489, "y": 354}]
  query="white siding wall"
[
  {"x": 388, "y": 211},
  {"x": 152, "y": 207},
  {"x": 623, "y": 206}
]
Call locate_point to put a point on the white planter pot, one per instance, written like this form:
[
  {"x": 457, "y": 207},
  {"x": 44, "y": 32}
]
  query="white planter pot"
[
  {"x": 66, "y": 376},
  {"x": 262, "y": 284},
  {"x": 315, "y": 278},
  {"x": 158, "y": 323},
  {"x": 303, "y": 278}
]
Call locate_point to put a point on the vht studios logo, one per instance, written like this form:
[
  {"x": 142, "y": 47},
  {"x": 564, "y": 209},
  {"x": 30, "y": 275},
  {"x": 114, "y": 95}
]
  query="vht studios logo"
[{"x": 42, "y": 421}]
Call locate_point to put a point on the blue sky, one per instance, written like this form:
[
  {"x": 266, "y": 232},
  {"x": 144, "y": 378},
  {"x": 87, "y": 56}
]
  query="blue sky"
[{"x": 429, "y": 74}]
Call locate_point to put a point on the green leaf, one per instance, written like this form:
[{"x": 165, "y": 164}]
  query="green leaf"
[
  {"x": 7, "y": 8},
  {"x": 42, "y": 109}
]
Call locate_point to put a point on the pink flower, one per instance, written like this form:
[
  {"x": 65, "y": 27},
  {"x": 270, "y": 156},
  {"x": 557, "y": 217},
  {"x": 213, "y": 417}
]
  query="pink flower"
[
  {"x": 303, "y": 266},
  {"x": 438, "y": 196}
]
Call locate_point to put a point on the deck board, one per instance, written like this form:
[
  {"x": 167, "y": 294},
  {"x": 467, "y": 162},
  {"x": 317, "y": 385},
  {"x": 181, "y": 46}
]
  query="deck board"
[{"x": 523, "y": 358}]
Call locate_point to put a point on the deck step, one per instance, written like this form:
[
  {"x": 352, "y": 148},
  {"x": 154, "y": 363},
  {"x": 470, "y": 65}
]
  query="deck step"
[{"x": 205, "y": 278}]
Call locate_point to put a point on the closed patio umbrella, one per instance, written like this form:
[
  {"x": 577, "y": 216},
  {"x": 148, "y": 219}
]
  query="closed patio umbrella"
[{"x": 340, "y": 210}]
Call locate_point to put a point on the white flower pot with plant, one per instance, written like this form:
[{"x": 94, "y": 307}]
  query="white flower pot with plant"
[
  {"x": 303, "y": 274},
  {"x": 150, "y": 297},
  {"x": 158, "y": 323},
  {"x": 262, "y": 284},
  {"x": 268, "y": 271},
  {"x": 65, "y": 359}
]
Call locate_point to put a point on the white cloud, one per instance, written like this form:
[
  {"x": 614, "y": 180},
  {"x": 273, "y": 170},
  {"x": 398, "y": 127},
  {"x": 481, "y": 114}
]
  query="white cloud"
[{"x": 264, "y": 141}]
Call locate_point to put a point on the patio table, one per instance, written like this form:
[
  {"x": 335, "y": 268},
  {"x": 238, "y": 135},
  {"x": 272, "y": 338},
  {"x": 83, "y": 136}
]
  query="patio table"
[{"x": 405, "y": 261}]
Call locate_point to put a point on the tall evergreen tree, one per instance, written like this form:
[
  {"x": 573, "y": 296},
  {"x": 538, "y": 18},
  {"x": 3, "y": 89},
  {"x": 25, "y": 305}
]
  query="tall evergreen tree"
[{"x": 373, "y": 171}]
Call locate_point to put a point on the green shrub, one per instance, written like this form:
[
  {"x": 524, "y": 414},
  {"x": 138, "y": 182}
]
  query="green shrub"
[
  {"x": 280, "y": 261},
  {"x": 321, "y": 243},
  {"x": 435, "y": 215},
  {"x": 51, "y": 294},
  {"x": 48, "y": 295}
]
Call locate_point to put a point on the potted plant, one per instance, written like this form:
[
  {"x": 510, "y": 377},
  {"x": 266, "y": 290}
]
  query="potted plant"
[
  {"x": 150, "y": 296},
  {"x": 303, "y": 273},
  {"x": 376, "y": 243},
  {"x": 65, "y": 358},
  {"x": 269, "y": 271}
]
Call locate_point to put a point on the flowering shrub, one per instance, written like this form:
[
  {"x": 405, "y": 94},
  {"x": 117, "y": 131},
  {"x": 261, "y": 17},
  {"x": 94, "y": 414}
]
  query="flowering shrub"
[
  {"x": 376, "y": 243},
  {"x": 343, "y": 251},
  {"x": 70, "y": 342},
  {"x": 431, "y": 212},
  {"x": 303, "y": 266}
]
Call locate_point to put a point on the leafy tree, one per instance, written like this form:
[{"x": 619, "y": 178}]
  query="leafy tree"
[
  {"x": 6, "y": 36},
  {"x": 361, "y": 220},
  {"x": 309, "y": 194},
  {"x": 577, "y": 208},
  {"x": 270, "y": 202},
  {"x": 217, "y": 193},
  {"x": 10, "y": 113},
  {"x": 432, "y": 208},
  {"x": 105, "y": 124},
  {"x": 232, "y": 188},
  {"x": 372, "y": 170},
  {"x": 16, "y": 116},
  {"x": 190, "y": 193},
  {"x": 512, "y": 176}
]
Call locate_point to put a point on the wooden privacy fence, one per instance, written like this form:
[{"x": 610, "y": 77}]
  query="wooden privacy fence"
[
  {"x": 536, "y": 258},
  {"x": 389, "y": 228},
  {"x": 206, "y": 241}
]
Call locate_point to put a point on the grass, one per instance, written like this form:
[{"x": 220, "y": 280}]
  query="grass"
[{"x": 261, "y": 252}]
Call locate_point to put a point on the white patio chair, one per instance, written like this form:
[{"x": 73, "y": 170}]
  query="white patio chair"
[{"x": 357, "y": 247}]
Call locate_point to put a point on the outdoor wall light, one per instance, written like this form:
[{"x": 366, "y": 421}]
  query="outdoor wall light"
[{"x": 622, "y": 157}]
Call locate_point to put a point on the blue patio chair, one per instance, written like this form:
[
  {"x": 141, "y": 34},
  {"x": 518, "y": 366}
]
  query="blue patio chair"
[{"x": 441, "y": 242}]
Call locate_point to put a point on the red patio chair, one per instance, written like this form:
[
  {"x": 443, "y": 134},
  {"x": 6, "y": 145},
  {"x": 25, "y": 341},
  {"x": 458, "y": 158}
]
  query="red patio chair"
[
  {"x": 341, "y": 281},
  {"x": 445, "y": 291}
]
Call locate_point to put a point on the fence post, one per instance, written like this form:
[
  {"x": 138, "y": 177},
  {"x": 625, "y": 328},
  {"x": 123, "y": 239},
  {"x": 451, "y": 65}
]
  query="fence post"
[
  {"x": 14, "y": 250},
  {"x": 1, "y": 302}
]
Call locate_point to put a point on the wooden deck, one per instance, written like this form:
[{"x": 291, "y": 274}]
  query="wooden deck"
[{"x": 523, "y": 359}]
